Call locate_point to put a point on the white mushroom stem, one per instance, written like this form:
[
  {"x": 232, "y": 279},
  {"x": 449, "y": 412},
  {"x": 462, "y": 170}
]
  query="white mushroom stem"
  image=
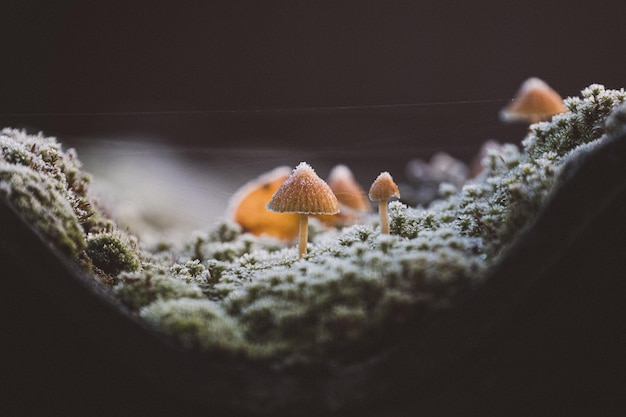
[
  {"x": 304, "y": 234},
  {"x": 384, "y": 217}
]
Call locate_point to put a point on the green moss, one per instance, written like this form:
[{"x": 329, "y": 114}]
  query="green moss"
[
  {"x": 196, "y": 323},
  {"x": 583, "y": 123},
  {"x": 137, "y": 290},
  {"x": 37, "y": 198},
  {"x": 48, "y": 187},
  {"x": 111, "y": 254},
  {"x": 38, "y": 188}
]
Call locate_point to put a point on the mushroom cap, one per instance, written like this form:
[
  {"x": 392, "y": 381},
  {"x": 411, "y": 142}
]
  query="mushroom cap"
[
  {"x": 247, "y": 207},
  {"x": 383, "y": 188},
  {"x": 347, "y": 190},
  {"x": 535, "y": 101},
  {"x": 304, "y": 192}
]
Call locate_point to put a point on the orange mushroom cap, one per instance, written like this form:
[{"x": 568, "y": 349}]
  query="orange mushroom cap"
[
  {"x": 352, "y": 199},
  {"x": 348, "y": 191},
  {"x": 304, "y": 192},
  {"x": 247, "y": 207},
  {"x": 383, "y": 188},
  {"x": 535, "y": 101}
]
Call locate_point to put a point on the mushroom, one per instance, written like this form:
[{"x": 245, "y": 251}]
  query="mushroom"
[
  {"x": 247, "y": 207},
  {"x": 347, "y": 190},
  {"x": 352, "y": 199},
  {"x": 304, "y": 193},
  {"x": 534, "y": 102},
  {"x": 382, "y": 189}
]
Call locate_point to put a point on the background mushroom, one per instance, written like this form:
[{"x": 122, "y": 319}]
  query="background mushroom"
[
  {"x": 351, "y": 196},
  {"x": 382, "y": 189},
  {"x": 534, "y": 102},
  {"x": 304, "y": 193},
  {"x": 246, "y": 207}
]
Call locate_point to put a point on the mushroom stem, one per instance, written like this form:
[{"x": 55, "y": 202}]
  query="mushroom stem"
[
  {"x": 304, "y": 234},
  {"x": 384, "y": 217}
]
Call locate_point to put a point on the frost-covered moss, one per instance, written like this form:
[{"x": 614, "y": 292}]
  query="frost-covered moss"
[
  {"x": 583, "y": 123},
  {"x": 494, "y": 207},
  {"x": 43, "y": 205},
  {"x": 137, "y": 290},
  {"x": 199, "y": 324},
  {"x": 349, "y": 296},
  {"x": 356, "y": 291},
  {"x": 47, "y": 186},
  {"x": 42, "y": 183},
  {"x": 515, "y": 184},
  {"x": 111, "y": 254}
]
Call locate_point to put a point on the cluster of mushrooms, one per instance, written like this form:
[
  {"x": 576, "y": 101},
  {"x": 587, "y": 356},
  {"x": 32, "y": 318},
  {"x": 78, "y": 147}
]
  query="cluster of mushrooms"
[
  {"x": 296, "y": 195},
  {"x": 280, "y": 202},
  {"x": 305, "y": 193}
]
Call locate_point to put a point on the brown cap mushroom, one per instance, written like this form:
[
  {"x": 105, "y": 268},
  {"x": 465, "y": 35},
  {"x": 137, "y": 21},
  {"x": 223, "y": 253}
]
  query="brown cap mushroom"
[
  {"x": 382, "y": 189},
  {"x": 352, "y": 199},
  {"x": 534, "y": 102},
  {"x": 304, "y": 193}
]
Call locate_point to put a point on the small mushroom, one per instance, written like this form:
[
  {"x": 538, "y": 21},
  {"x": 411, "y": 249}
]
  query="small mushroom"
[
  {"x": 382, "y": 189},
  {"x": 304, "y": 193},
  {"x": 247, "y": 207},
  {"x": 352, "y": 198},
  {"x": 534, "y": 102}
]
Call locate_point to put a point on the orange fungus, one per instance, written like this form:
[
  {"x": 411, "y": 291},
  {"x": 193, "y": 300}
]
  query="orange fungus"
[{"x": 248, "y": 207}]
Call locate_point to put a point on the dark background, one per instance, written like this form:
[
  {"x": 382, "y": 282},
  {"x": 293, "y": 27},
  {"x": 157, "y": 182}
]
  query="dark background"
[{"x": 69, "y": 68}]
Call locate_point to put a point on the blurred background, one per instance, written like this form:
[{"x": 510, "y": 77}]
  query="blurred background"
[{"x": 192, "y": 99}]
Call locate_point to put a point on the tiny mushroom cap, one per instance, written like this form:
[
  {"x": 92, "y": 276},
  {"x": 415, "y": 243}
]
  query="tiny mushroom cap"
[
  {"x": 383, "y": 188},
  {"x": 304, "y": 192},
  {"x": 535, "y": 101}
]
